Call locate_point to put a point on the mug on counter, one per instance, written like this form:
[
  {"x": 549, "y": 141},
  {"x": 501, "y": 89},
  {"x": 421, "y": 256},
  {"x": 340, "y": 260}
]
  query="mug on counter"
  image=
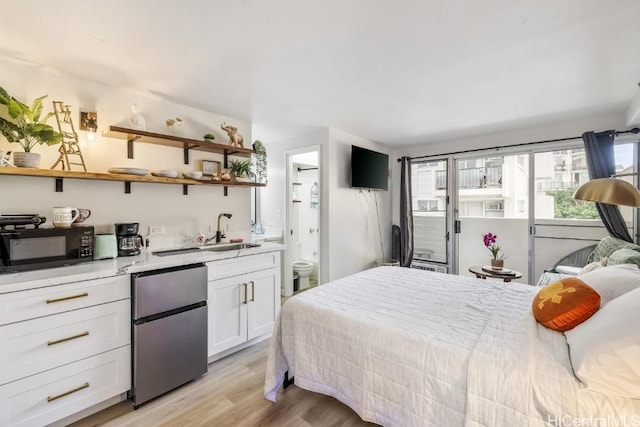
[
  {"x": 82, "y": 215},
  {"x": 64, "y": 216}
]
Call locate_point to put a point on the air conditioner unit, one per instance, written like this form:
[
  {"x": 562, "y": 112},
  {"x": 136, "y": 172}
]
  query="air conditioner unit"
[{"x": 421, "y": 265}]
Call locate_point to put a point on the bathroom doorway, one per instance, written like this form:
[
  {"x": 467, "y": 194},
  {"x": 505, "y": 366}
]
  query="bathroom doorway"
[{"x": 302, "y": 238}]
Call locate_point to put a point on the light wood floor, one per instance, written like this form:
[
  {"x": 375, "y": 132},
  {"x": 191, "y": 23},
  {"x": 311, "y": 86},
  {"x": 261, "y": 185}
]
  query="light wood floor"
[{"x": 231, "y": 395}]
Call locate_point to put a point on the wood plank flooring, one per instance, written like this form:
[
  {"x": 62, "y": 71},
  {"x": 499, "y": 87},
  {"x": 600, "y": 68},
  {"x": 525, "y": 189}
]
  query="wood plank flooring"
[{"x": 231, "y": 395}]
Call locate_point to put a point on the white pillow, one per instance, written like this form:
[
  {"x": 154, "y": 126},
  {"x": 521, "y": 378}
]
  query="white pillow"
[
  {"x": 605, "y": 350},
  {"x": 612, "y": 281},
  {"x": 568, "y": 269},
  {"x": 594, "y": 265}
]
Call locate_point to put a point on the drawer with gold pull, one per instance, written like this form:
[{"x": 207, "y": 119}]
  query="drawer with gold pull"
[
  {"x": 32, "y": 303},
  {"x": 37, "y": 345},
  {"x": 57, "y": 393}
]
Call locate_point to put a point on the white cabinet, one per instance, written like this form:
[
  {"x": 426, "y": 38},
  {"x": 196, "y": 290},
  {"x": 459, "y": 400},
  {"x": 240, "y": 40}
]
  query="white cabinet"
[
  {"x": 242, "y": 306},
  {"x": 63, "y": 349}
]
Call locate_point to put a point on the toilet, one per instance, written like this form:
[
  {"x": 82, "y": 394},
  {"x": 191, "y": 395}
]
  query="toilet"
[{"x": 304, "y": 270}]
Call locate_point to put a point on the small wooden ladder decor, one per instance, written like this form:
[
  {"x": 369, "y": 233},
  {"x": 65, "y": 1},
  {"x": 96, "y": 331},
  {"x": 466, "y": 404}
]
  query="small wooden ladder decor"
[{"x": 69, "y": 145}]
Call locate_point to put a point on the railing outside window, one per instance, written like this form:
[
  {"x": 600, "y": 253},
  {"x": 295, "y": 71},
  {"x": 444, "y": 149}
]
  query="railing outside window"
[{"x": 483, "y": 177}]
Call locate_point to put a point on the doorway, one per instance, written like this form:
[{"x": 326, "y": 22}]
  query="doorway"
[{"x": 303, "y": 218}]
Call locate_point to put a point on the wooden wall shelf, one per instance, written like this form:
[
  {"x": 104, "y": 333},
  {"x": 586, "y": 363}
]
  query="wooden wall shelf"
[
  {"x": 127, "y": 179},
  {"x": 187, "y": 144},
  {"x": 133, "y": 135}
]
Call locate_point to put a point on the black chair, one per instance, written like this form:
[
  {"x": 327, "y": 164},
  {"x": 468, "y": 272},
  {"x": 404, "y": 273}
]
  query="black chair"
[{"x": 578, "y": 258}]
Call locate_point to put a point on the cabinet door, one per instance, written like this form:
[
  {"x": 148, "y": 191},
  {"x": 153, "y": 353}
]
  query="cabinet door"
[
  {"x": 264, "y": 301},
  {"x": 227, "y": 314}
]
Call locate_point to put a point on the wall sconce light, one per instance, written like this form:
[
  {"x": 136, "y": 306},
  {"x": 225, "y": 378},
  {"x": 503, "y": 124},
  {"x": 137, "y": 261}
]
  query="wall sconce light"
[{"x": 89, "y": 122}]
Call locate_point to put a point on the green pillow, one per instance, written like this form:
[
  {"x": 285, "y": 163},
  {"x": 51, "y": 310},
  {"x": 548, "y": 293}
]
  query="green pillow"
[
  {"x": 609, "y": 245},
  {"x": 624, "y": 256}
]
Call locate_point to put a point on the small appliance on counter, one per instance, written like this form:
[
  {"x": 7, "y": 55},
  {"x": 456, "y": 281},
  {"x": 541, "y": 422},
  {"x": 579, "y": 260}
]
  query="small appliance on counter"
[
  {"x": 106, "y": 246},
  {"x": 129, "y": 241},
  {"x": 17, "y": 221},
  {"x": 26, "y": 245}
]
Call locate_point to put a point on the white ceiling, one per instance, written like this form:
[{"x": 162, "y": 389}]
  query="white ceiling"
[{"x": 398, "y": 72}]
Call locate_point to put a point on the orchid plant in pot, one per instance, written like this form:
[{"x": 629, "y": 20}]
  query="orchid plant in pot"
[
  {"x": 497, "y": 259},
  {"x": 26, "y": 126}
]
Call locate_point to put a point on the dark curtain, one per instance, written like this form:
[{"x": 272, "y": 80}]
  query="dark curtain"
[
  {"x": 601, "y": 164},
  {"x": 406, "y": 213}
]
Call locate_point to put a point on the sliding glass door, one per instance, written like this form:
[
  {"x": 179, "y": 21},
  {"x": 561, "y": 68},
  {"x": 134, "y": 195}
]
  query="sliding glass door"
[
  {"x": 492, "y": 197},
  {"x": 429, "y": 182},
  {"x": 524, "y": 198}
]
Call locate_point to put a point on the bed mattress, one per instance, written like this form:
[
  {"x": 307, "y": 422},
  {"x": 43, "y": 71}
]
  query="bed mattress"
[{"x": 407, "y": 347}]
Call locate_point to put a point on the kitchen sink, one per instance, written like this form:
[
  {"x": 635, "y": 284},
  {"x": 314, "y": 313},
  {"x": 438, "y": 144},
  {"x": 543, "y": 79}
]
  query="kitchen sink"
[
  {"x": 169, "y": 252},
  {"x": 211, "y": 248},
  {"x": 230, "y": 247}
]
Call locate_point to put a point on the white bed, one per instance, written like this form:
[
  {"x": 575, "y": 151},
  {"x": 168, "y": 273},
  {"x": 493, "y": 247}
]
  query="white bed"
[{"x": 405, "y": 347}]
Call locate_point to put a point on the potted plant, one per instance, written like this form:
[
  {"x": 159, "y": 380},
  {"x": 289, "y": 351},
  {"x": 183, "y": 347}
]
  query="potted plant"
[
  {"x": 261, "y": 161},
  {"x": 209, "y": 137},
  {"x": 240, "y": 169},
  {"x": 26, "y": 127},
  {"x": 497, "y": 259}
]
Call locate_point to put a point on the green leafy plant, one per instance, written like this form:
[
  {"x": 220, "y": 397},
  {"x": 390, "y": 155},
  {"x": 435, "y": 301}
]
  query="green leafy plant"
[
  {"x": 261, "y": 161},
  {"x": 209, "y": 136},
  {"x": 565, "y": 206},
  {"x": 241, "y": 168},
  {"x": 25, "y": 125}
]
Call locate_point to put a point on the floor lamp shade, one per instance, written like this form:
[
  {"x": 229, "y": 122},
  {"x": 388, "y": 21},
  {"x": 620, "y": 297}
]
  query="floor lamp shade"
[{"x": 611, "y": 191}]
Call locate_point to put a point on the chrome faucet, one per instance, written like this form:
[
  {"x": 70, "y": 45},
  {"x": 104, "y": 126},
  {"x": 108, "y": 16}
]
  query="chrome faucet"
[{"x": 219, "y": 234}]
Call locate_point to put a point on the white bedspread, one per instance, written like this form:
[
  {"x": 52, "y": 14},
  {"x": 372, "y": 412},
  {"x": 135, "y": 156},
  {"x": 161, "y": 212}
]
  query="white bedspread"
[{"x": 405, "y": 347}]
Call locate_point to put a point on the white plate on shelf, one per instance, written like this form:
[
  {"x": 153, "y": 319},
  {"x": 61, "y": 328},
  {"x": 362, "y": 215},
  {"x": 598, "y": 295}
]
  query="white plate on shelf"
[
  {"x": 129, "y": 171},
  {"x": 165, "y": 173}
]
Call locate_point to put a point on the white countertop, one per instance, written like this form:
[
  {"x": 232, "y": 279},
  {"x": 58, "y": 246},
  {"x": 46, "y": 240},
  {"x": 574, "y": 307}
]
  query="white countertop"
[{"x": 122, "y": 265}]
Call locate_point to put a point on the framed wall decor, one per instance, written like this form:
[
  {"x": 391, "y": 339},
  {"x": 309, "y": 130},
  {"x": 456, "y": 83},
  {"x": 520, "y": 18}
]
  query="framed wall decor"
[{"x": 211, "y": 167}]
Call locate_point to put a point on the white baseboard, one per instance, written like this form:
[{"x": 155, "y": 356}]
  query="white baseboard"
[
  {"x": 237, "y": 348},
  {"x": 89, "y": 411}
]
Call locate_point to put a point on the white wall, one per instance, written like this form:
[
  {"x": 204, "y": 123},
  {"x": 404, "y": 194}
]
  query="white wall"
[
  {"x": 148, "y": 204},
  {"x": 353, "y": 219},
  {"x": 349, "y": 237}
]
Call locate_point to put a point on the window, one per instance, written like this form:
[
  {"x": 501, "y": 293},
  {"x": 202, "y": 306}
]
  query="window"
[{"x": 428, "y": 205}]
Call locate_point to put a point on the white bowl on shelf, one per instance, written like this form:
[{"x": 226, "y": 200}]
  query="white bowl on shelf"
[
  {"x": 192, "y": 175},
  {"x": 165, "y": 173}
]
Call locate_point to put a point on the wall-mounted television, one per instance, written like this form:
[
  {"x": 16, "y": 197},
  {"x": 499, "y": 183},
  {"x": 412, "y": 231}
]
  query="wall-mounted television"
[{"x": 369, "y": 169}]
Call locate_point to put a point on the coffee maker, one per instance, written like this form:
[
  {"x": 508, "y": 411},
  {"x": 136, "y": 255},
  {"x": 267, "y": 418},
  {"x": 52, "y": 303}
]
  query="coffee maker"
[{"x": 129, "y": 241}]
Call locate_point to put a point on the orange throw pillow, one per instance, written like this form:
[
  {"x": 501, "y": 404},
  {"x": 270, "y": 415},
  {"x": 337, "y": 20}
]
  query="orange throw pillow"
[{"x": 564, "y": 304}]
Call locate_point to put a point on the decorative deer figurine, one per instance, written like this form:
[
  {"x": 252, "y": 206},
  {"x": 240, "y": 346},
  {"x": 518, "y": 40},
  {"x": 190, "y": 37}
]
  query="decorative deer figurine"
[{"x": 235, "y": 138}]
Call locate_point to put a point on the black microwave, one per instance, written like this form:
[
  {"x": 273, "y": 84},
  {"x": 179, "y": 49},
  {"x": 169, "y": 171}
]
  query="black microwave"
[{"x": 44, "y": 247}]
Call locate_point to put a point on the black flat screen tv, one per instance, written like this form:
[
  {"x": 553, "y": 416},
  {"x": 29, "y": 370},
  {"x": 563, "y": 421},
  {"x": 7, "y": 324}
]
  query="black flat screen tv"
[{"x": 369, "y": 169}]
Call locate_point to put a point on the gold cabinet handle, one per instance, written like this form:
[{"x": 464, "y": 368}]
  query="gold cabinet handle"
[
  {"x": 84, "y": 294},
  {"x": 61, "y": 340},
  {"x": 253, "y": 291},
  {"x": 245, "y": 293},
  {"x": 67, "y": 393}
]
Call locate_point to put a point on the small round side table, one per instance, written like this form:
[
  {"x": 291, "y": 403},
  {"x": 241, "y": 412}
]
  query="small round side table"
[{"x": 483, "y": 274}]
